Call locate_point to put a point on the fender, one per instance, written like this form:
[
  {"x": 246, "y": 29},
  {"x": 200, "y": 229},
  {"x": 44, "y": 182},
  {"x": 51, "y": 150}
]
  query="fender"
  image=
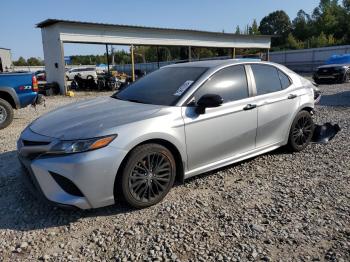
[
  {"x": 162, "y": 136},
  {"x": 12, "y": 93},
  {"x": 301, "y": 106}
]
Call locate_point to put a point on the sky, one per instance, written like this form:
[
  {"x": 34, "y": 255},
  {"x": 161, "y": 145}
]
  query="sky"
[{"x": 18, "y": 18}]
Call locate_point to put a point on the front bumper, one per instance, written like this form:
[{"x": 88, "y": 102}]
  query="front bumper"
[
  {"x": 328, "y": 76},
  {"x": 93, "y": 173}
]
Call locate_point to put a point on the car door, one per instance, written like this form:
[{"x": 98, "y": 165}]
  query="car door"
[
  {"x": 222, "y": 132},
  {"x": 276, "y": 101}
]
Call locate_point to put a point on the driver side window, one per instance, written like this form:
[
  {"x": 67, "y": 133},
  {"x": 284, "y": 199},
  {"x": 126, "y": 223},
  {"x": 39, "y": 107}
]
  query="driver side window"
[{"x": 230, "y": 83}]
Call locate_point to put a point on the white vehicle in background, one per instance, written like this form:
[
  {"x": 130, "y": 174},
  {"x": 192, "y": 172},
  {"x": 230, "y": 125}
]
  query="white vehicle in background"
[{"x": 83, "y": 72}]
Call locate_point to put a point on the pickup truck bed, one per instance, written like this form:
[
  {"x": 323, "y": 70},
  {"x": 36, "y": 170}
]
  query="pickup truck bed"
[{"x": 17, "y": 90}]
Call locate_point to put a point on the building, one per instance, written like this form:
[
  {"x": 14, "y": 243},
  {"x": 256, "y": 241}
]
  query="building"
[
  {"x": 57, "y": 32},
  {"x": 5, "y": 59}
]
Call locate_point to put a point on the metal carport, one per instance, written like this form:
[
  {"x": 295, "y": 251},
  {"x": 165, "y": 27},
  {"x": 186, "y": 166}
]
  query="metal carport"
[{"x": 57, "y": 32}]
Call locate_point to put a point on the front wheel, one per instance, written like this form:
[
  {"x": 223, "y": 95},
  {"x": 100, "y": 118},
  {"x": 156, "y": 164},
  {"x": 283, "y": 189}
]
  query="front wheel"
[
  {"x": 148, "y": 175},
  {"x": 301, "y": 131},
  {"x": 6, "y": 114}
]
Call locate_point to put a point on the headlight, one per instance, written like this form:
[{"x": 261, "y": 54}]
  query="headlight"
[
  {"x": 340, "y": 68},
  {"x": 77, "y": 146}
]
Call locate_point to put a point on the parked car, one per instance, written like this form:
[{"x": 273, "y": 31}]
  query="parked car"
[
  {"x": 40, "y": 75},
  {"x": 336, "y": 69},
  {"x": 175, "y": 123},
  {"x": 17, "y": 90},
  {"x": 85, "y": 73}
]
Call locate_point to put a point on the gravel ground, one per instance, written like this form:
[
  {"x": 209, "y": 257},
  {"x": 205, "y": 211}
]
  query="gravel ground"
[{"x": 275, "y": 207}]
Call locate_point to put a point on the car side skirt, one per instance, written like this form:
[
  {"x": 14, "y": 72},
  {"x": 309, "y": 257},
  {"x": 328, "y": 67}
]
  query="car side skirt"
[{"x": 233, "y": 159}]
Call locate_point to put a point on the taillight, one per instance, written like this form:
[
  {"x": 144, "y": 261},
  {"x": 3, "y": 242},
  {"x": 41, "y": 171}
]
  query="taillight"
[{"x": 34, "y": 84}]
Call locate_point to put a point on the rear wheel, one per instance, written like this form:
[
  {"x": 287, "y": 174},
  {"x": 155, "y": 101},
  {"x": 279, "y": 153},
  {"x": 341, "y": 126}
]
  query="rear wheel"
[
  {"x": 148, "y": 175},
  {"x": 6, "y": 114},
  {"x": 301, "y": 131}
]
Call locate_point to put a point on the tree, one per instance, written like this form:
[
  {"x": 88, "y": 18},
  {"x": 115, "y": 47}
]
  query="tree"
[
  {"x": 254, "y": 29},
  {"x": 276, "y": 23},
  {"x": 20, "y": 62},
  {"x": 302, "y": 26},
  {"x": 238, "y": 30},
  {"x": 346, "y": 4},
  {"x": 322, "y": 40},
  {"x": 33, "y": 61},
  {"x": 293, "y": 43}
]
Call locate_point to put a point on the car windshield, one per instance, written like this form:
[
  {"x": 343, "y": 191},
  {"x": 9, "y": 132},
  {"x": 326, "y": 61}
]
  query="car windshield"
[{"x": 162, "y": 87}]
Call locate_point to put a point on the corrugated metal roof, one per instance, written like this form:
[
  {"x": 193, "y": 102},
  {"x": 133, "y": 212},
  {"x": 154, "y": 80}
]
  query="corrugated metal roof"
[{"x": 49, "y": 22}]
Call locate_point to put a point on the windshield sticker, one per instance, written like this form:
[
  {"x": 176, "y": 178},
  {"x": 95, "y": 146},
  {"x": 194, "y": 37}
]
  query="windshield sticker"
[{"x": 183, "y": 88}]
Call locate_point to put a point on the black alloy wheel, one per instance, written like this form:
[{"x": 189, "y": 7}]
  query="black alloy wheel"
[
  {"x": 301, "y": 131},
  {"x": 148, "y": 175}
]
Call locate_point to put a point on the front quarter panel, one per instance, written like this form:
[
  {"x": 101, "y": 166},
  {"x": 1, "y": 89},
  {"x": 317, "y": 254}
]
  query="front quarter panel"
[{"x": 166, "y": 125}]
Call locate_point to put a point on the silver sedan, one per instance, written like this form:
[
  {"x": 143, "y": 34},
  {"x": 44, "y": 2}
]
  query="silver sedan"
[{"x": 175, "y": 123}]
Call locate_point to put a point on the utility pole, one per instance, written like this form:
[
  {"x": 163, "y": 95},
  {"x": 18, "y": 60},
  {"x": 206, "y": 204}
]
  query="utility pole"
[
  {"x": 112, "y": 51},
  {"x": 107, "y": 58},
  {"x": 132, "y": 63}
]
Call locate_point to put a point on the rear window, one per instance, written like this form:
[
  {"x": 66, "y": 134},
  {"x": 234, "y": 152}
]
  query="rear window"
[
  {"x": 162, "y": 87},
  {"x": 266, "y": 78}
]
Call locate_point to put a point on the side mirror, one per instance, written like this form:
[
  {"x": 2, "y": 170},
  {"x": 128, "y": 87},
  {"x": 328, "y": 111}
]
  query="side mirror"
[{"x": 208, "y": 101}]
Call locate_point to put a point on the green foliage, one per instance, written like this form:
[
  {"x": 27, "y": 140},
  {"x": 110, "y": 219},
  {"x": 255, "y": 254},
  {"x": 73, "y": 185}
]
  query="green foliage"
[
  {"x": 301, "y": 26},
  {"x": 277, "y": 23},
  {"x": 254, "y": 28},
  {"x": 20, "y": 62},
  {"x": 293, "y": 43},
  {"x": 238, "y": 30},
  {"x": 329, "y": 24},
  {"x": 32, "y": 61}
]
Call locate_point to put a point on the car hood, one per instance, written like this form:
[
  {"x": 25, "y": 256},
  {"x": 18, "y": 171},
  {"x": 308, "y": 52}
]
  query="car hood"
[
  {"x": 334, "y": 65},
  {"x": 91, "y": 118}
]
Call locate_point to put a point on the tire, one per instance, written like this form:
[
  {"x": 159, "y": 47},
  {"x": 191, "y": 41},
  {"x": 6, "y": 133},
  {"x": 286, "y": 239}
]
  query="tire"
[
  {"x": 140, "y": 184},
  {"x": 6, "y": 114},
  {"x": 301, "y": 132},
  {"x": 89, "y": 77}
]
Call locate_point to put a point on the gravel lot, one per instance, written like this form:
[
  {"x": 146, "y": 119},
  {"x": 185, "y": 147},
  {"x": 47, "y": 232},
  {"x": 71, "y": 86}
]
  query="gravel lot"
[{"x": 275, "y": 207}]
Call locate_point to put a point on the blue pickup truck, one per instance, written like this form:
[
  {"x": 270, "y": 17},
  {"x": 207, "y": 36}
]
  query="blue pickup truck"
[{"x": 17, "y": 90}]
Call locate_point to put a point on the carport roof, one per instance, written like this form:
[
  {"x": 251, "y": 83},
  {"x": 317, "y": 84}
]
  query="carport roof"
[{"x": 50, "y": 22}]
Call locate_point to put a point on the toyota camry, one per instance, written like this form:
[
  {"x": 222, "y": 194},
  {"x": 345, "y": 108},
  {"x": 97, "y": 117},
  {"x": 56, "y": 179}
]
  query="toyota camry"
[{"x": 175, "y": 123}]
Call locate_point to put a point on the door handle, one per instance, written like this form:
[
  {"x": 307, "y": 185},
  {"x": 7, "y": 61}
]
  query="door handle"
[
  {"x": 249, "y": 107},
  {"x": 292, "y": 96}
]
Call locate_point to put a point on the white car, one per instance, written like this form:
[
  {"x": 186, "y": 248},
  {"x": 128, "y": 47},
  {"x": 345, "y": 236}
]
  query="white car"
[
  {"x": 85, "y": 73},
  {"x": 177, "y": 122}
]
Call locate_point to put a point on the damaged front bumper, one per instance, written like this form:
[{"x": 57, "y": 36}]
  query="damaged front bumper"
[{"x": 325, "y": 133}]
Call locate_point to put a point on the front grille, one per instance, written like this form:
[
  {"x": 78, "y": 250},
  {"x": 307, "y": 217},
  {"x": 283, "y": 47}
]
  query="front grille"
[
  {"x": 34, "y": 143},
  {"x": 328, "y": 71},
  {"x": 67, "y": 185}
]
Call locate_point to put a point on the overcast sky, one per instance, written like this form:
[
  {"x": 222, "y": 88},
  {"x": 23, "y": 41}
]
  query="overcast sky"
[{"x": 19, "y": 17}]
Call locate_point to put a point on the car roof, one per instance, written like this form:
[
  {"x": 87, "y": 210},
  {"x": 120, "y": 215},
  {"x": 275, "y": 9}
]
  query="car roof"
[{"x": 215, "y": 63}]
